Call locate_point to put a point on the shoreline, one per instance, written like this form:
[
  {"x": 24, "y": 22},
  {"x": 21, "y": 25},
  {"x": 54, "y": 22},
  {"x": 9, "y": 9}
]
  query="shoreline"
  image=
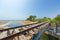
[{"x": 22, "y": 21}]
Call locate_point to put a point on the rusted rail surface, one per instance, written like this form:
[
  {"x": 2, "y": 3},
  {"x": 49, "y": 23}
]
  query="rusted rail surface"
[
  {"x": 21, "y": 32},
  {"x": 17, "y": 27}
]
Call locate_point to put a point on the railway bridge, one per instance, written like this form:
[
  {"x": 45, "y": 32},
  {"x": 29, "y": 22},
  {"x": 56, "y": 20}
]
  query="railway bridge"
[{"x": 25, "y": 32}]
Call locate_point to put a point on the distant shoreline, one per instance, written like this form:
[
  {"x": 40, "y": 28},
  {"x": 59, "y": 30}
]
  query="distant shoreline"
[{"x": 24, "y": 22}]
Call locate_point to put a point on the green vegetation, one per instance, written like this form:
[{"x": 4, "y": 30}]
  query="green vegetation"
[
  {"x": 35, "y": 19},
  {"x": 53, "y": 20},
  {"x": 48, "y": 37},
  {"x": 57, "y": 18},
  {"x": 44, "y": 37},
  {"x": 31, "y": 18}
]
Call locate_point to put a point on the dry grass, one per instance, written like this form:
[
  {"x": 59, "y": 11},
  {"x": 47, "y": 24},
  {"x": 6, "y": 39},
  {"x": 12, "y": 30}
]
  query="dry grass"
[
  {"x": 3, "y": 21},
  {"x": 23, "y": 21}
]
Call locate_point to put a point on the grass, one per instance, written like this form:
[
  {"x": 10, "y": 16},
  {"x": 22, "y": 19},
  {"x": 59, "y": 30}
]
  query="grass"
[
  {"x": 48, "y": 37},
  {"x": 44, "y": 37}
]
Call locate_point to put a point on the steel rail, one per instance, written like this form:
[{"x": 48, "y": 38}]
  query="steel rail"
[
  {"x": 21, "y": 32},
  {"x": 17, "y": 27}
]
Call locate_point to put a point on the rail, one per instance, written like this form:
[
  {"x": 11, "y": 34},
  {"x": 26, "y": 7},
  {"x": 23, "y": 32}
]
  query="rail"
[
  {"x": 10, "y": 37},
  {"x": 18, "y": 27}
]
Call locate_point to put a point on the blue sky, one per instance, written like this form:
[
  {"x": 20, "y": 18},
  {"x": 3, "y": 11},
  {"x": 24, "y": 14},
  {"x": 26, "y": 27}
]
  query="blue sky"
[{"x": 21, "y": 9}]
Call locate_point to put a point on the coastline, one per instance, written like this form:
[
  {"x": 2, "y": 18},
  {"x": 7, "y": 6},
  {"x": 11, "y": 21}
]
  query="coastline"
[{"x": 22, "y": 21}]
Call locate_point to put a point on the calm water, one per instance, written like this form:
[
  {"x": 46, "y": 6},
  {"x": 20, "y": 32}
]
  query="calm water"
[{"x": 14, "y": 24}]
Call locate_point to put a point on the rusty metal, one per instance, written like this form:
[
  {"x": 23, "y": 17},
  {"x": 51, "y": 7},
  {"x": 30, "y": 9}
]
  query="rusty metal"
[
  {"x": 21, "y": 32},
  {"x": 16, "y": 27}
]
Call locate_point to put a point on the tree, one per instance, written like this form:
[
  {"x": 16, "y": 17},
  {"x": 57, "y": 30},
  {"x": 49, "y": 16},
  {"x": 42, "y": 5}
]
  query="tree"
[
  {"x": 34, "y": 19},
  {"x": 57, "y": 18},
  {"x": 46, "y": 19},
  {"x": 39, "y": 20},
  {"x": 31, "y": 18},
  {"x": 53, "y": 20}
]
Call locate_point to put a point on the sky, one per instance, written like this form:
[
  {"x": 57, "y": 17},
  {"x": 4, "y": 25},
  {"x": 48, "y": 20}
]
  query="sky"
[{"x": 21, "y": 9}]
